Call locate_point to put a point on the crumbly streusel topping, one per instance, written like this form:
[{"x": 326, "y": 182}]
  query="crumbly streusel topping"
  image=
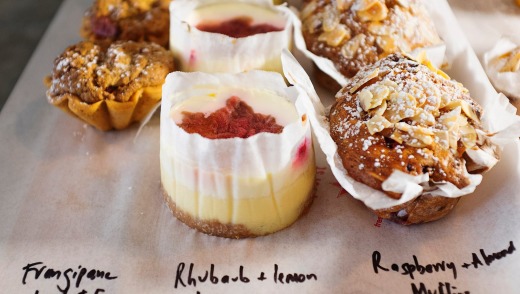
[{"x": 98, "y": 71}]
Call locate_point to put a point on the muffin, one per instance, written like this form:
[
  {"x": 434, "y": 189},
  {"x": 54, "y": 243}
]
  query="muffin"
[
  {"x": 258, "y": 177},
  {"x": 399, "y": 121},
  {"x": 109, "y": 86},
  {"x": 356, "y": 33},
  {"x": 132, "y": 20},
  {"x": 502, "y": 64},
  {"x": 229, "y": 36}
]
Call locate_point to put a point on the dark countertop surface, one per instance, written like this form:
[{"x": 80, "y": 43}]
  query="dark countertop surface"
[{"x": 22, "y": 24}]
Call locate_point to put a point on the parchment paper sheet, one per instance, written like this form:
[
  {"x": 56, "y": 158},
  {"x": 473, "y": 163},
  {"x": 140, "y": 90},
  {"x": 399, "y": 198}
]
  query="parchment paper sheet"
[{"x": 72, "y": 196}]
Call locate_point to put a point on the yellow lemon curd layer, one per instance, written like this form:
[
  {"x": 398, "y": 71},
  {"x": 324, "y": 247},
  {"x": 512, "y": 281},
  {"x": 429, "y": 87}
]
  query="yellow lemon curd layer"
[{"x": 259, "y": 209}]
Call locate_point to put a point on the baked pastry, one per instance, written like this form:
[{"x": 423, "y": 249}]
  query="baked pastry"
[
  {"x": 258, "y": 177},
  {"x": 356, "y": 33},
  {"x": 109, "y": 86},
  {"x": 399, "y": 120},
  {"x": 502, "y": 64},
  {"x": 135, "y": 20},
  {"x": 213, "y": 36}
]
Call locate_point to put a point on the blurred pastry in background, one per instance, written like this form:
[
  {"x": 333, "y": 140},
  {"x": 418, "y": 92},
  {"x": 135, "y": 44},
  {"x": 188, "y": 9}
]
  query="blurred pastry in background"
[
  {"x": 502, "y": 65},
  {"x": 135, "y": 20},
  {"x": 356, "y": 33},
  {"x": 229, "y": 36}
]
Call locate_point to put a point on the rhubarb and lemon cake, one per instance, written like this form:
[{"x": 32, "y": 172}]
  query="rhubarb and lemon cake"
[{"x": 237, "y": 158}]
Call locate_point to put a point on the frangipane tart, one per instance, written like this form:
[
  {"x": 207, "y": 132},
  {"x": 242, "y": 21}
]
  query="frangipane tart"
[
  {"x": 229, "y": 36},
  {"x": 236, "y": 154},
  {"x": 343, "y": 36},
  {"x": 134, "y": 20},
  {"x": 109, "y": 86},
  {"x": 502, "y": 64}
]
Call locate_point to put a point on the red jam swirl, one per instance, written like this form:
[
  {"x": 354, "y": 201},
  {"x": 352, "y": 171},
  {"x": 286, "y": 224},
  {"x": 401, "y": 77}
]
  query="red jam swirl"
[
  {"x": 236, "y": 120},
  {"x": 238, "y": 27}
]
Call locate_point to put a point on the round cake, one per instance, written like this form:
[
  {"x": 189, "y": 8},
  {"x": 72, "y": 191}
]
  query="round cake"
[
  {"x": 400, "y": 120},
  {"x": 237, "y": 158},
  {"x": 109, "y": 86},
  {"x": 229, "y": 36},
  {"x": 356, "y": 33}
]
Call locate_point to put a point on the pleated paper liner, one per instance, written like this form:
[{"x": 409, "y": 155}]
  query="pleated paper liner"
[{"x": 107, "y": 115}]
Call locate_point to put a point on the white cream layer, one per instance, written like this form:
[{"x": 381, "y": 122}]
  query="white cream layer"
[
  {"x": 219, "y": 12},
  {"x": 262, "y": 101}
]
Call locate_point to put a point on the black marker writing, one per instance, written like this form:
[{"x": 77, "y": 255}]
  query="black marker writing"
[
  {"x": 187, "y": 276},
  {"x": 38, "y": 269},
  {"x": 292, "y": 277},
  {"x": 411, "y": 269},
  {"x": 489, "y": 258},
  {"x": 442, "y": 288},
  {"x": 191, "y": 279}
]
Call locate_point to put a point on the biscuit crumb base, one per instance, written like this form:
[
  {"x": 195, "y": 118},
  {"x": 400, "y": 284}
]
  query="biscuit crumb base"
[{"x": 216, "y": 228}]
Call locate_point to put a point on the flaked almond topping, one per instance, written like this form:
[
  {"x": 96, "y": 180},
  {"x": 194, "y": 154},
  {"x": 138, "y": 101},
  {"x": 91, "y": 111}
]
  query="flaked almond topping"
[
  {"x": 400, "y": 106},
  {"x": 390, "y": 84},
  {"x": 442, "y": 138},
  {"x": 423, "y": 117},
  {"x": 312, "y": 24},
  {"x": 423, "y": 59},
  {"x": 343, "y": 5},
  {"x": 398, "y": 136},
  {"x": 330, "y": 19},
  {"x": 350, "y": 48},
  {"x": 377, "y": 123},
  {"x": 469, "y": 136},
  {"x": 513, "y": 61},
  {"x": 365, "y": 99},
  {"x": 453, "y": 138},
  {"x": 371, "y": 10},
  {"x": 379, "y": 28},
  {"x": 336, "y": 36},
  {"x": 373, "y": 97},
  {"x": 450, "y": 119},
  {"x": 445, "y": 100},
  {"x": 308, "y": 10},
  {"x": 466, "y": 108},
  {"x": 387, "y": 43},
  {"x": 424, "y": 135},
  {"x": 420, "y": 111},
  {"x": 380, "y": 110},
  {"x": 364, "y": 80}
]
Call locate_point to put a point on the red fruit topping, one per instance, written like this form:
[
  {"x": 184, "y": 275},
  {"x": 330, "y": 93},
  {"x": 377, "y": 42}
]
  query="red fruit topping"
[
  {"x": 104, "y": 27},
  {"x": 236, "y": 120},
  {"x": 238, "y": 27}
]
